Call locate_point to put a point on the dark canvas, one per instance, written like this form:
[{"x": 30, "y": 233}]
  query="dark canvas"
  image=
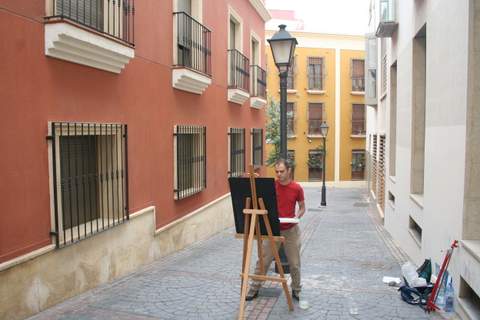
[{"x": 240, "y": 190}]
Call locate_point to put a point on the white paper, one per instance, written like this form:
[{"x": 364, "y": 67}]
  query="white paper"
[
  {"x": 289, "y": 220},
  {"x": 389, "y": 280}
]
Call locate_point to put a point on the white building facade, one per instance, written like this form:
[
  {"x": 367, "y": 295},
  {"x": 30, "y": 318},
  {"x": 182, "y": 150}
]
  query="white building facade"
[{"x": 423, "y": 130}]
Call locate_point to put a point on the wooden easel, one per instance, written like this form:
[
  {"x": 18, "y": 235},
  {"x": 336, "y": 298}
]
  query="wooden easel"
[{"x": 251, "y": 233}]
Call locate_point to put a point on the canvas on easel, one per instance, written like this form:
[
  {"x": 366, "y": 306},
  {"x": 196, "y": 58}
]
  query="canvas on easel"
[
  {"x": 254, "y": 212},
  {"x": 240, "y": 191}
]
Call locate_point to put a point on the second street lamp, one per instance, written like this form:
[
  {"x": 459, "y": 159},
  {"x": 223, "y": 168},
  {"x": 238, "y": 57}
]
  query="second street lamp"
[
  {"x": 324, "y": 132},
  {"x": 283, "y": 48}
]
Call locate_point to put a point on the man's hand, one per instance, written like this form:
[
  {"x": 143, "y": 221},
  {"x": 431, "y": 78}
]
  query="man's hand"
[{"x": 301, "y": 209}]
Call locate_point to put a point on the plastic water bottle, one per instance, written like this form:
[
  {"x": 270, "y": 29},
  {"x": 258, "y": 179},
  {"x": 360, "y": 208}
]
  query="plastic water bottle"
[{"x": 449, "y": 296}]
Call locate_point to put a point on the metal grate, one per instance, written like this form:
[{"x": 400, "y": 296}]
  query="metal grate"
[
  {"x": 259, "y": 84},
  {"x": 190, "y": 160},
  {"x": 315, "y": 73},
  {"x": 237, "y": 152},
  {"x": 90, "y": 178},
  {"x": 257, "y": 147},
  {"x": 239, "y": 73},
  {"x": 316, "y": 115},
  {"x": 358, "y": 119},
  {"x": 194, "y": 43},
  {"x": 115, "y": 18},
  {"x": 358, "y": 75}
]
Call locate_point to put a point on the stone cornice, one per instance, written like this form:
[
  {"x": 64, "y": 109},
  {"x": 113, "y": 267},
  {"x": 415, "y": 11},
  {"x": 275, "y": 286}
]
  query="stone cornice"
[{"x": 261, "y": 9}]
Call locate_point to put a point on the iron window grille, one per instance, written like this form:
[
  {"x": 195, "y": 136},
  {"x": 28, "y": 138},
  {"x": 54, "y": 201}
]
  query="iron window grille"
[
  {"x": 257, "y": 147},
  {"x": 291, "y": 119},
  {"x": 291, "y": 158},
  {"x": 316, "y": 73},
  {"x": 315, "y": 118},
  {"x": 358, "y": 119},
  {"x": 291, "y": 75},
  {"x": 239, "y": 70},
  {"x": 315, "y": 164},
  {"x": 114, "y": 18},
  {"x": 259, "y": 82},
  {"x": 90, "y": 179},
  {"x": 190, "y": 160},
  {"x": 358, "y": 164},
  {"x": 358, "y": 75},
  {"x": 194, "y": 42},
  {"x": 236, "y": 146}
]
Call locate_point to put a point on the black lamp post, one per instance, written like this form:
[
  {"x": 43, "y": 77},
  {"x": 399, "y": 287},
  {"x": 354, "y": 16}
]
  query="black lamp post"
[
  {"x": 283, "y": 49},
  {"x": 324, "y": 132}
]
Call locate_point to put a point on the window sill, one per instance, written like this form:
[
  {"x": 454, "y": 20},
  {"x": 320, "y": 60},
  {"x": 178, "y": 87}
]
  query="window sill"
[
  {"x": 257, "y": 103},
  {"x": 393, "y": 179},
  {"x": 417, "y": 199},
  {"x": 357, "y": 93},
  {"x": 290, "y": 91},
  {"x": 293, "y": 136},
  {"x": 312, "y": 91},
  {"x": 187, "y": 193},
  {"x": 188, "y": 80},
  {"x": 238, "y": 96},
  {"x": 69, "y": 42},
  {"x": 358, "y": 136},
  {"x": 315, "y": 136}
]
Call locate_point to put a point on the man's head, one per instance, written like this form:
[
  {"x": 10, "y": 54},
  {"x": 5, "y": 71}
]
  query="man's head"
[{"x": 283, "y": 169}]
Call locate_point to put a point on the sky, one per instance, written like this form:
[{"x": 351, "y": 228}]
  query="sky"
[{"x": 328, "y": 16}]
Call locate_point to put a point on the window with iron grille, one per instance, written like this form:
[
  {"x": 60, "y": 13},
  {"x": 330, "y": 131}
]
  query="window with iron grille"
[
  {"x": 358, "y": 119},
  {"x": 358, "y": 164},
  {"x": 291, "y": 75},
  {"x": 358, "y": 75},
  {"x": 190, "y": 160},
  {"x": 236, "y": 146},
  {"x": 315, "y": 164},
  {"x": 290, "y": 119},
  {"x": 291, "y": 158},
  {"x": 90, "y": 180},
  {"x": 257, "y": 147},
  {"x": 315, "y": 73},
  {"x": 315, "y": 118}
]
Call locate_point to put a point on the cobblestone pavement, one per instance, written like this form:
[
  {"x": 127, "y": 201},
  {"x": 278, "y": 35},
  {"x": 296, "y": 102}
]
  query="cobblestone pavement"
[{"x": 345, "y": 254}]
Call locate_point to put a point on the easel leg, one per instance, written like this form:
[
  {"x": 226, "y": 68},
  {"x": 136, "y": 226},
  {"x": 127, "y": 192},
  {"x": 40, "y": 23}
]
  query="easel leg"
[
  {"x": 246, "y": 226},
  {"x": 277, "y": 258},
  {"x": 246, "y": 267}
]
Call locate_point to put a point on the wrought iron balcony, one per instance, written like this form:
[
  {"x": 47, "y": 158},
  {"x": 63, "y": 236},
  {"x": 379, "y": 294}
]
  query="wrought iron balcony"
[
  {"x": 259, "y": 82},
  {"x": 193, "y": 44},
  {"x": 113, "y": 18},
  {"x": 239, "y": 77}
]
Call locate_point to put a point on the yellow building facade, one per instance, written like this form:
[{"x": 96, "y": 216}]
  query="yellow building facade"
[{"x": 326, "y": 83}]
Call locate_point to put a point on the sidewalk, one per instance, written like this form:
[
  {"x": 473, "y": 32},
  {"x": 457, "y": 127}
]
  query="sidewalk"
[{"x": 345, "y": 254}]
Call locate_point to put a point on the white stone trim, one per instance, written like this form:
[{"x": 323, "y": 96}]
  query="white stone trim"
[
  {"x": 67, "y": 42},
  {"x": 238, "y": 96},
  {"x": 261, "y": 9},
  {"x": 190, "y": 81},
  {"x": 257, "y": 102}
]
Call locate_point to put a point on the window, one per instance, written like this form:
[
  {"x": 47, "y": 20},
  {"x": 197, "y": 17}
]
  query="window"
[
  {"x": 315, "y": 73},
  {"x": 393, "y": 119},
  {"x": 290, "y": 119},
  {"x": 291, "y": 75},
  {"x": 190, "y": 160},
  {"x": 291, "y": 158},
  {"x": 358, "y": 164},
  {"x": 89, "y": 171},
  {"x": 257, "y": 147},
  {"x": 315, "y": 118},
  {"x": 114, "y": 18},
  {"x": 358, "y": 75},
  {"x": 358, "y": 119},
  {"x": 236, "y": 145},
  {"x": 239, "y": 65},
  {"x": 193, "y": 38},
  {"x": 315, "y": 165}
]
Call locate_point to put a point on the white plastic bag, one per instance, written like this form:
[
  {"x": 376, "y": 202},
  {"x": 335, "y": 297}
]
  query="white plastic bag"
[{"x": 410, "y": 274}]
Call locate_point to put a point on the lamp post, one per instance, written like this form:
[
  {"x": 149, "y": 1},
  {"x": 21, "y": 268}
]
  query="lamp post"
[
  {"x": 283, "y": 48},
  {"x": 324, "y": 132}
]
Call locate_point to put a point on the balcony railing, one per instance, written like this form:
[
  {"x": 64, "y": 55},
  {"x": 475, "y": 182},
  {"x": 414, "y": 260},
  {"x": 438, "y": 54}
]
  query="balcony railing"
[
  {"x": 239, "y": 75},
  {"x": 114, "y": 18},
  {"x": 193, "y": 44},
  {"x": 259, "y": 82},
  {"x": 358, "y": 83}
]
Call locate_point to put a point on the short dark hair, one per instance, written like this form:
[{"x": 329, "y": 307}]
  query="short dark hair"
[{"x": 286, "y": 162}]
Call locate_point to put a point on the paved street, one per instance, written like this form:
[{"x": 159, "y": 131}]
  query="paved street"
[{"x": 345, "y": 254}]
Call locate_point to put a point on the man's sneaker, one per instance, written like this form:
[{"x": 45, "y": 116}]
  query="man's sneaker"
[
  {"x": 251, "y": 294},
  {"x": 296, "y": 295}
]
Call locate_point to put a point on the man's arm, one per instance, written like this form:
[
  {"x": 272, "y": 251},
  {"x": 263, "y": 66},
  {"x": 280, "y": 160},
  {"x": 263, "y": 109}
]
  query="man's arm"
[{"x": 301, "y": 209}]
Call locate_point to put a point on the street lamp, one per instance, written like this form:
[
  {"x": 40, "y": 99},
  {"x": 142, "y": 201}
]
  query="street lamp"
[
  {"x": 283, "y": 48},
  {"x": 324, "y": 132}
]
